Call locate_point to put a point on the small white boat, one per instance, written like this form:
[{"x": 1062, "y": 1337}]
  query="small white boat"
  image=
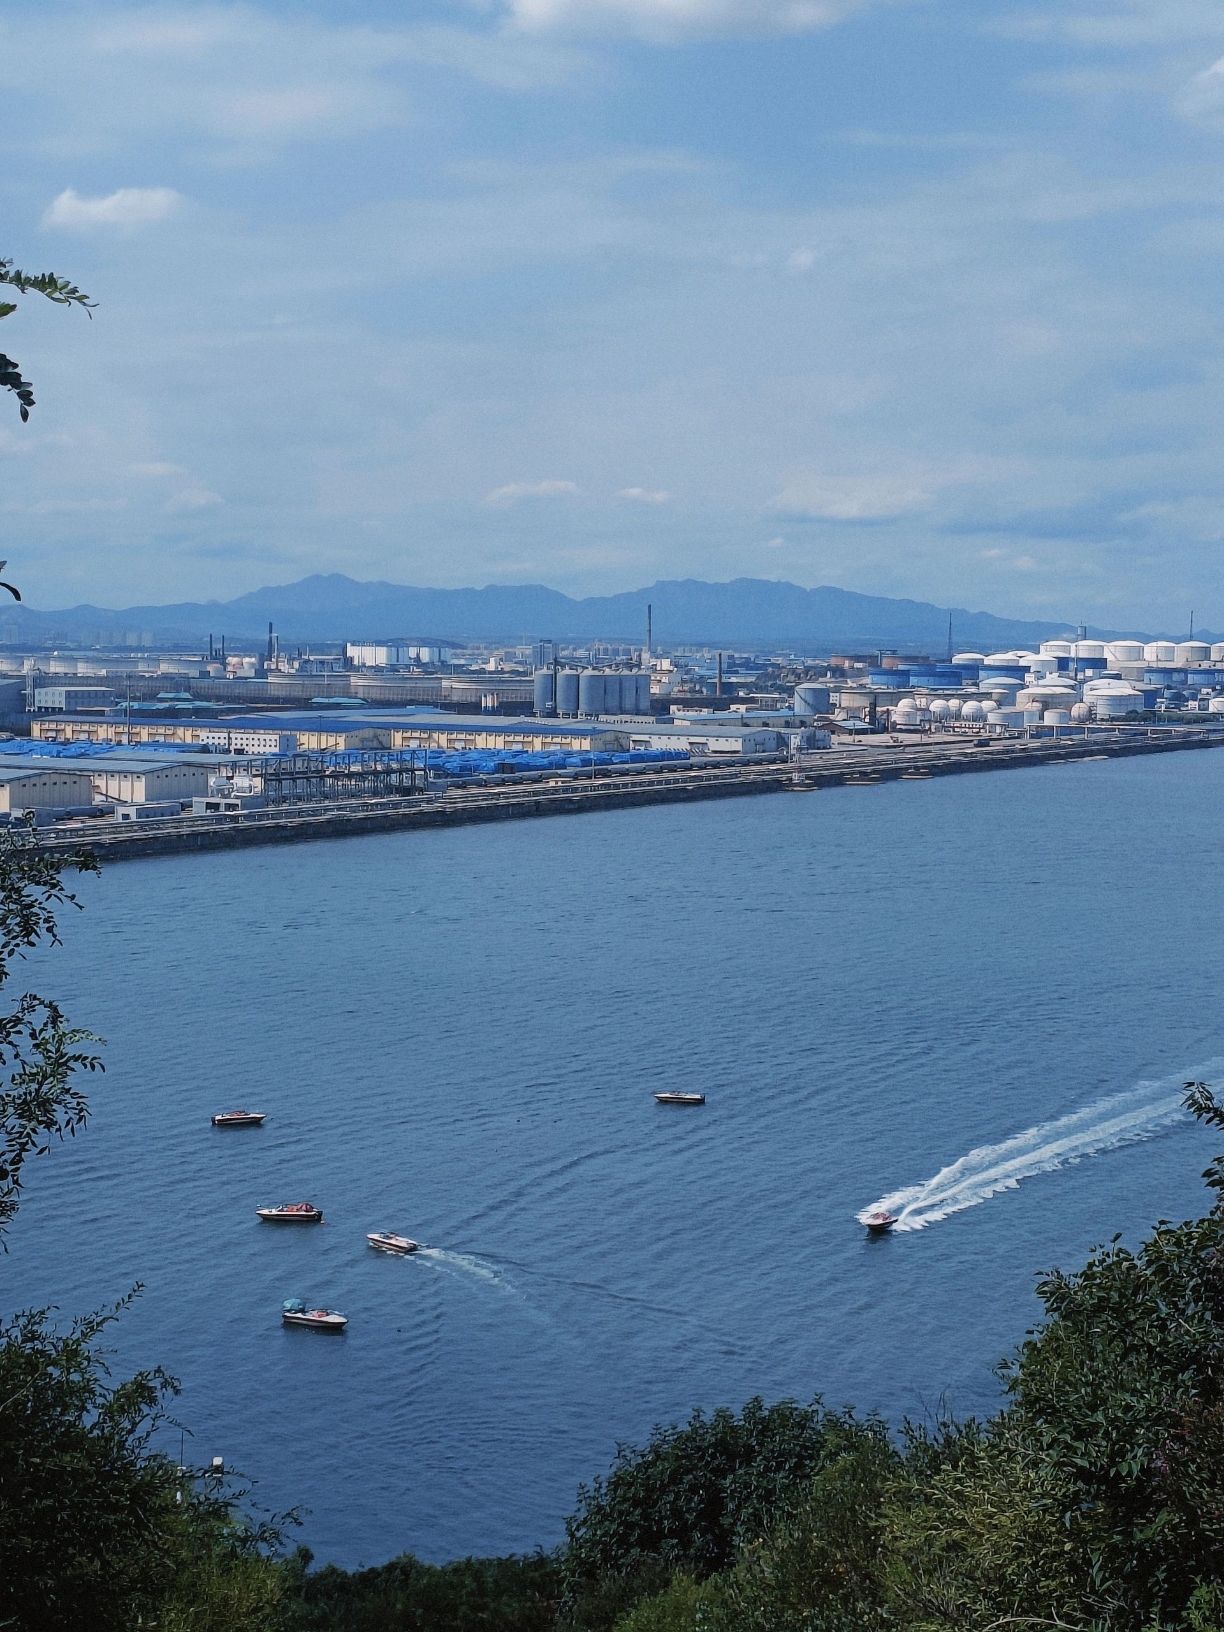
[
  {"x": 238, "y": 1119},
  {"x": 879, "y": 1223},
  {"x": 295, "y": 1313},
  {"x": 670, "y": 1098},
  {"x": 295, "y": 1212},
  {"x": 388, "y": 1241}
]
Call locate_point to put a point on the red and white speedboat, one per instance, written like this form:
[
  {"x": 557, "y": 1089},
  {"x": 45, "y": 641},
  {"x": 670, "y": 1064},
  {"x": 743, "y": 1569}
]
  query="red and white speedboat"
[
  {"x": 293, "y": 1212},
  {"x": 295, "y": 1313},
  {"x": 388, "y": 1241},
  {"x": 879, "y": 1223},
  {"x": 238, "y": 1119}
]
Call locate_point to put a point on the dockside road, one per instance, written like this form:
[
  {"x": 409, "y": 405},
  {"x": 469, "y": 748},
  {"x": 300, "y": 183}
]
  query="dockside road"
[{"x": 862, "y": 765}]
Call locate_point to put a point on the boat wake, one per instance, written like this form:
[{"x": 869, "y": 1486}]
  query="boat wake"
[
  {"x": 1120, "y": 1119},
  {"x": 463, "y": 1263}
]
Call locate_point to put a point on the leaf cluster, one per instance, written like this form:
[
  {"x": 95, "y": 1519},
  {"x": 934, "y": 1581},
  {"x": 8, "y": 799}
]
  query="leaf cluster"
[{"x": 55, "y": 289}]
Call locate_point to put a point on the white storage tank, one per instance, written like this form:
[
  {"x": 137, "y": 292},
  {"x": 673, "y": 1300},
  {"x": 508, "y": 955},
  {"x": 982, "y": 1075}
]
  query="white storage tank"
[
  {"x": 969, "y": 657},
  {"x": 1216, "y": 706},
  {"x": 974, "y": 711},
  {"x": 1057, "y": 716},
  {"x": 1187, "y": 652},
  {"x": 1010, "y": 718},
  {"x": 1217, "y": 652},
  {"x": 953, "y": 706},
  {"x": 1056, "y": 648},
  {"x": 1088, "y": 648},
  {"x": 1081, "y": 713},
  {"x": 1124, "y": 651},
  {"x": 1115, "y": 705},
  {"x": 1160, "y": 651},
  {"x": 1032, "y": 716},
  {"x": 941, "y": 710}
]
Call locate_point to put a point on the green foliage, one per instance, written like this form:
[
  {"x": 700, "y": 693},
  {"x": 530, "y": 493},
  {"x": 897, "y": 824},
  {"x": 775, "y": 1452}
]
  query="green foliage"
[
  {"x": 692, "y": 1497},
  {"x": 469, "y": 1595},
  {"x": 55, "y": 289},
  {"x": 674, "y": 1610},
  {"x": 85, "y": 1509},
  {"x": 39, "y": 1051}
]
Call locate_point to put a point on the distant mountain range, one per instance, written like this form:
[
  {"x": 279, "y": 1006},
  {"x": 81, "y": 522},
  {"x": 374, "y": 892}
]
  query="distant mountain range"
[{"x": 748, "y": 612}]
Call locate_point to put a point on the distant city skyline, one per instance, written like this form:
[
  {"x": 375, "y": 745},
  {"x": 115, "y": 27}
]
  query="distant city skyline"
[{"x": 916, "y": 300}]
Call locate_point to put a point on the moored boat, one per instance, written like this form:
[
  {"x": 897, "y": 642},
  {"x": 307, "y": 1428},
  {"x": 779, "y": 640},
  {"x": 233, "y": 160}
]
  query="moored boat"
[
  {"x": 879, "y": 1223},
  {"x": 388, "y": 1241},
  {"x": 670, "y": 1098},
  {"x": 238, "y": 1119},
  {"x": 292, "y": 1212},
  {"x": 295, "y": 1313}
]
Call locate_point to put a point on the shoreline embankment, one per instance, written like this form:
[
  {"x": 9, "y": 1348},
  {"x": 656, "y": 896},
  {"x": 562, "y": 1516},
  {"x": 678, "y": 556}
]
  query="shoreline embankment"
[{"x": 861, "y": 766}]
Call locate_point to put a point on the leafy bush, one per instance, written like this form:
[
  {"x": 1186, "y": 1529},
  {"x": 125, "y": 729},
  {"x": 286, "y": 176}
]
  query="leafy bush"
[{"x": 469, "y": 1595}]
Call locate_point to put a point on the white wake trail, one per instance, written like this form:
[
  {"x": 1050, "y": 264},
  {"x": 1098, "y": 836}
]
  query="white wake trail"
[{"x": 1120, "y": 1119}]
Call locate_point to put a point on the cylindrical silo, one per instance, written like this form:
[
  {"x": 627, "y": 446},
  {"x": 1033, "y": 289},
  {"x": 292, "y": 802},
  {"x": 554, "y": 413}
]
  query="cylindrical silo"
[
  {"x": 812, "y": 699},
  {"x": 544, "y": 691},
  {"x": 1057, "y": 716},
  {"x": 1056, "y": 648},
  {"x": 642, "y": 703},
  {"x": 592, "y": 691},
  {"x": 567, "y": 692},
  {"x": 1217, "y": 652}
]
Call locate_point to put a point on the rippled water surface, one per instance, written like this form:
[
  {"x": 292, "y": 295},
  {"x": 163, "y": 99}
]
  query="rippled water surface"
[{"x": 456, "y": 1035}]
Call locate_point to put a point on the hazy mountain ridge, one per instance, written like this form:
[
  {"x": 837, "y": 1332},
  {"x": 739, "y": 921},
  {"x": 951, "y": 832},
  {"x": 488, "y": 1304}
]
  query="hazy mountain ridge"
[{"x": 745, "y": 611}]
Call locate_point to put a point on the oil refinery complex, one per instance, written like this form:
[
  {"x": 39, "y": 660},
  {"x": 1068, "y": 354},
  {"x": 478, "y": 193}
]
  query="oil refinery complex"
[{"x": 112, "y": 756}]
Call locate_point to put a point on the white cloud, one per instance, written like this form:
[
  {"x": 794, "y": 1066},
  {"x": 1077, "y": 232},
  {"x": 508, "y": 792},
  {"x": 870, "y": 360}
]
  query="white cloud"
[
  {"x": 129, "y": 207},
  {"x": 192, "y": 498},
  {"x": 852, "y": 498},
  {"x": 1202, "y": 100},
  {"x": 644, "y": 495},
  {"x": 513, "y": 491},
  {"x": 665, "y": 20}
]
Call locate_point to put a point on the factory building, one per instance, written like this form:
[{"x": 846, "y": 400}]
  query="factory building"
[
  {"x": 55, "y": 787},
  {"x": 454, "y": 732},
  {"x": 62, "y": 699},
  {"x": 717, "y": 738}
]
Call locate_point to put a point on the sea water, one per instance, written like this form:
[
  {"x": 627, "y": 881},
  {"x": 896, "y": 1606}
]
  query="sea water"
[{"x": 973, "y": 999}]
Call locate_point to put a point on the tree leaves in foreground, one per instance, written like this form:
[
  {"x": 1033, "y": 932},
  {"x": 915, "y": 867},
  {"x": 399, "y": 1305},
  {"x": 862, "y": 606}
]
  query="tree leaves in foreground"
[
  {"x": 41, "y": 1058},
  {"x": 57, "y": 290}
]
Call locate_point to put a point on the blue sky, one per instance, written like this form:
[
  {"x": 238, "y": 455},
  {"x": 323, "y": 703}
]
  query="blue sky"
[{"x": 918, "y": 297}]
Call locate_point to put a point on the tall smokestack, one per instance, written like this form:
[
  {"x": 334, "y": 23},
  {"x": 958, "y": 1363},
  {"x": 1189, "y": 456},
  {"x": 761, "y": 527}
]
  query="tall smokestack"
[
  {"x": 718, "y": 683},
  {"x": 649, "y": 610}
]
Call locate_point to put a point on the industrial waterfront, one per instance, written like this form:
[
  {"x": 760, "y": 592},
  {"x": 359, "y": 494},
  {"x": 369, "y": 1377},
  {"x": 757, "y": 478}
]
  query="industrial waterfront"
[{"x": 457, "y": 1034}]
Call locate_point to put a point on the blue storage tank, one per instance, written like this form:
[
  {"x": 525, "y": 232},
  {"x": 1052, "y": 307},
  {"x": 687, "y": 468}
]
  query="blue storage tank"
[
  {"x": 567, "y": 692},
  {"x": 887, "y": 679},
  {"x": 544, "y": 700},
  {"x": 592, "y": 690}
]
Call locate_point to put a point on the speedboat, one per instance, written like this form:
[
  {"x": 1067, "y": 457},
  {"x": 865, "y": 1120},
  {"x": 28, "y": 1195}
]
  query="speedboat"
[
  {"x": 238, "y": 1119},
  {"x": 879, "y": 1223},
  {"x": 293, "y": 1212},
  {"x": 669, "y": 1098},
  {"x": 295, "y": 1313},
  {"x": 388, "y": 1241}
]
